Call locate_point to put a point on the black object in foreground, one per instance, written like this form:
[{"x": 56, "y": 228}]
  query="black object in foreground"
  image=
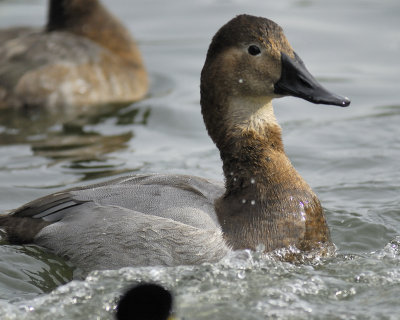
[{"x": 145, "y": 302}]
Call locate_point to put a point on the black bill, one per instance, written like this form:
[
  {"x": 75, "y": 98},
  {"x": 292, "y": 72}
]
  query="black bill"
[{"x": 297, "y": 81}]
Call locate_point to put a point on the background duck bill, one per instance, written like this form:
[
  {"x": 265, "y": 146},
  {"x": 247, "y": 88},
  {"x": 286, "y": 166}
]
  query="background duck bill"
[{"x": 297, "y": 81}]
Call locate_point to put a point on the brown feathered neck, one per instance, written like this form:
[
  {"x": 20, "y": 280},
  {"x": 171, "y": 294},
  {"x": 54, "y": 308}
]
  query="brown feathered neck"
[{"x": 248, "y": 137}]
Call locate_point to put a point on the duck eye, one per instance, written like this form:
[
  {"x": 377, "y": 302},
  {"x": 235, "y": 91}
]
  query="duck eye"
[{"x": 254, "y": 50}]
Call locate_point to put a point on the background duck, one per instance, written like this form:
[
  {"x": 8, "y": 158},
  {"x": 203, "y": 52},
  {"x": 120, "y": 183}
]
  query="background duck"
[
  {"x": 176, "y": 219},
  {"x": 84, "y": 56}
]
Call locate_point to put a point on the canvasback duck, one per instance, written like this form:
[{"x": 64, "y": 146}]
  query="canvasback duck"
[
  {"x": 83, "y": 57},
  {"x": 164, "y": 219}
]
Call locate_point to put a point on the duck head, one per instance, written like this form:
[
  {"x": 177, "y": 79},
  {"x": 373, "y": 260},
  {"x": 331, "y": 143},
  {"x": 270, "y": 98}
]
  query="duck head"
[
  {"x": 254, "y": 58},
  {"x": 251, "y": 61}
]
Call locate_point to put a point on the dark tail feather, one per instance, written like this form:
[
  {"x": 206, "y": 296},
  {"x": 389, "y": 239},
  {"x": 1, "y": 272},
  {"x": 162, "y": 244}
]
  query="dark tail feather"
[{"x": 20, "y": 230}]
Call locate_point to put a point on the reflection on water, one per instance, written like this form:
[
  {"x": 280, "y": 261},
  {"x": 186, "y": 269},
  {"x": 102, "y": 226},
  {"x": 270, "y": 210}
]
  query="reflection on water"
[
  {"x": 27, "y": 271},
  {"x": 73, "y": 137}
]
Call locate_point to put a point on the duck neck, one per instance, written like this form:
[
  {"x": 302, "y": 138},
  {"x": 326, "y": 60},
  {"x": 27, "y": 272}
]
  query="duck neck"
[
  {"x": 266, "y": 201},
  {"x": 252, "y": 151},
  {"x": 251, "y": 141},
  {"x": 90, "y": 19}
]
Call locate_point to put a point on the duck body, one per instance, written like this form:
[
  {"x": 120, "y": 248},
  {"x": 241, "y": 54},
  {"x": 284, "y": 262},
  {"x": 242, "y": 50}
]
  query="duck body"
[
  {"x": 130, "y": 221},
  {"x": 174, "y": 219},
  {"x": 83, "y": 57}
]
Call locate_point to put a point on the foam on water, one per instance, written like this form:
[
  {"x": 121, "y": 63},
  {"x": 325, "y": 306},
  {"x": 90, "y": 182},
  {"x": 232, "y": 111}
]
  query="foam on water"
[{"x": 245, "y": 285}]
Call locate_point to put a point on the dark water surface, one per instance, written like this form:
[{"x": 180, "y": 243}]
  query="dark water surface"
[{"x": 350, "y": 157}]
